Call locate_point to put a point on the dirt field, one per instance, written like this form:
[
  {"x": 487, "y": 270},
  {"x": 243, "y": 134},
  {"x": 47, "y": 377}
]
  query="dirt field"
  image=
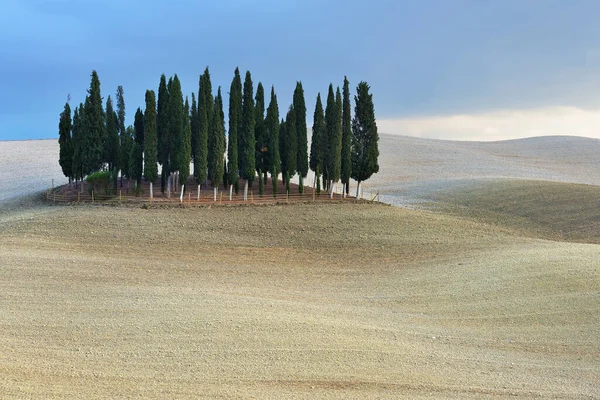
[{"x": 300, "y": 301}]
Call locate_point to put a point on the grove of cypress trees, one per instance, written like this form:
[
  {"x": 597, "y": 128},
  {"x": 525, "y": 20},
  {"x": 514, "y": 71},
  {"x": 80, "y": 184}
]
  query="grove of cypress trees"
[
  {"x": 365, "y": 139},
  {"x": 318, "y": 142},
  {"x": 185, "y": 147},
  {"x": 246, "y": 142},
  {"x": 205, "y": 101},
  {"x": 92, "y": 138},
  {"x": 235, "y": 119},
  {"x": 301, "y": 135},
  {"x": 334, "y": 140},
  {"x": 65, "y": 141},
  {"x": 216, "y": 143},
  {"x": 162, "y": 131},
  {"x": 150, "y": 140},
  {"x": 272, "y": 133},
  {"x": 346, "y": 156}
]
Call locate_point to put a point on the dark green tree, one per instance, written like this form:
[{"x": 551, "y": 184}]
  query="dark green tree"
[
  {"x": 216, "y": 144},
  {"x": 176, "y": 125},
  {"x": 136, "y": 164},
  {"x": 65, "y": 142},
  {"x": 194, "y": 128},
  {"x": 318, "y": 143},
  {"x": 289, "y": 152},
  {"x": 247, "y": 142},
  {"x": 346, "y": 156},
  {"x": 301, "y": 135},
  {"x": 125, "y": 141},
  {"x": 111, "y": 144},
  {"x": 185, "y": 155},
  {"x": 260, "y": 134},
  {"x": 235, "y": 120},
  {"x": 163, "y": 132},
  {"x": 205, "y": 101},
  {"x": 365, "y": 139},
  {"x": 333, "y": 153},
  {"x": 138, "y": 125},
  {"x": 93, "y": 136},
  {"x": 78, "y": 127},
  {"x": 150, "y": 140},
  {"x": 272, "y": 133}
]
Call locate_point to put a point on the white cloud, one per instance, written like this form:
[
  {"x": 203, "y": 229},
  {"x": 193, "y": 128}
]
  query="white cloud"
[{"x": 499, "y": 125}]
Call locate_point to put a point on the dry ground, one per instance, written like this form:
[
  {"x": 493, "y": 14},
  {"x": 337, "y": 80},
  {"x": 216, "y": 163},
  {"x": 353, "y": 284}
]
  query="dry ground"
[{"x": 301, "y": 301}]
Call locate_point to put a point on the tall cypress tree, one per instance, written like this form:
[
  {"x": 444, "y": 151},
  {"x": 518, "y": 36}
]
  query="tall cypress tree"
[
  {"x": 365, "y": 139},
  {"x": 125, "y": 140},
  {"x": 235, "y": 119},
  {"x": 247, "y": 142},
  {"x": 289, "y": 154},
  {"x": 111, "y": 144},
  {"x": 150, "y": 140},
  {"x": 259, "y": 132},
  {"x": 217, "y": 143},
  {"x": 77, "y": 166},
  {"x": 346, "y": 156},
  {"x": 162, "y": 131},
  {"x": 136, "y": 164},
  {"x": 194, "y": 128},
  {"x": 318, "y": 142},
  {"x": 205, "y": 101},
  {"x": 334, "y": 139},
  {"x": 185, "y": 146},
  {"x": 301, "y": 135},
  {"x": 272, "y": 132},
  {"x": 65, "y": 142},
  {"x": 93, "y": 136},
  {"x": 176, "y": 126},
  {"x": 138, "y": 125}
]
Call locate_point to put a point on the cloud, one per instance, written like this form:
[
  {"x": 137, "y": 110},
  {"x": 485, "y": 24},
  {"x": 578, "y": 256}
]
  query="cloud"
[{"x": 499, "y": 125}]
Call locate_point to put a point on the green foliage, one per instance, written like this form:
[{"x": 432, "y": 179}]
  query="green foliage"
[
  {"x": 136, "y": 163},
  {"x": 365, "y": 139},
  {"x": 92, "y": 137},
  {"x": 260, "y": 135},
  {"x": 289, "y": 149},
  {"x": 124, "y": 140},
  {"x": 138, "y": 126},
  {"x": 186, "y": 145},
  {"x": 77, "y": 162},
  {"x": 346, "y": 155},
  {"x": 235, "y": 119},
  {"x": 205, "y": 101},
  {"x": 150, "y": 139},
  {"x": 65, "y": 142},
  {"x": 194, "y": 128},
  {"x": 99, "y": 182},
  {"x": 301, "y": 131},
  {"x": 111, "y": 144},
  {"x": 216, "y": 143},
  {"x": 176, "y": 124},
  {"x": 162, "y": 130},
  {"x": 334, "y": 138},
  {"x": 246, "y": 144},
  {"x": 272, "y": 132},
  {"x": 319, "y": 142}
]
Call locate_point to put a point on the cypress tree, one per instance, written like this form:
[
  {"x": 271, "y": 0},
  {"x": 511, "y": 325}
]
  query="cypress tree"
[
  {"x": 185, "y": 146},
  {"x": 289, "y": 154},
  {"x": 65, "y": 142},
  {"x": 150, "y": 140},
  {"x": 235, "y": 119},
  {"x": 176, "y": 127},
  {"x": 77, "y": 166},
  {"x": 111, "y": 144},
  {"x": 93, "y": 136},
  {"x": 365, "y": 139},
  {"x": 247, "y": 142},
  {"x": 318, "y": 142},
  {"x": 205, "y": 101},
  {"x": 217, "y": 144},
  {"x": 301, "y": 135},
  {"x": 346, "y": 156},
  {"x": 162, "y": 131},
  {"x": 125, "y": 141},
  {"x": 272, "y": 133},
  {"x": 259, "y": 132},
  {"x": 138, "y": 126},
  {"x": 136, "y": 164},
  {"x": 334, "y": 138},
  {"x": 194, "y": 128},
  {"x": 282, "y": 149}
]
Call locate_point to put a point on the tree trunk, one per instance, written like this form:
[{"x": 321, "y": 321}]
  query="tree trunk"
[
  {"x": 215, "y": 193},
  {"x": 246, "y": 190},
  {"x": 357, "y": 189},
  {"x": 230, "y": 192},
  {"x": 198, "y": 195},
  {"x": 151, "y": 192},
  {"x": 332, "y": 187},
  {"x": 181, "y": 195},
  {"x": 300, "y": 184},
  {"x": 168, "y": 187}
]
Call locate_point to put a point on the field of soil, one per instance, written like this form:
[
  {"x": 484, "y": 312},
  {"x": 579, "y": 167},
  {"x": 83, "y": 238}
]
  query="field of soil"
[{"x": 492, "y": 291}]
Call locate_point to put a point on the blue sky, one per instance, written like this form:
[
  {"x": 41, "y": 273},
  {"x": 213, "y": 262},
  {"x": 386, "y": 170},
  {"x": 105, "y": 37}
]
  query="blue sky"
[{"x": 423, "y": 59}]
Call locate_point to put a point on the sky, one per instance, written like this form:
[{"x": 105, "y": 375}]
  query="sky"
[{"x": 448, "y": 69}]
